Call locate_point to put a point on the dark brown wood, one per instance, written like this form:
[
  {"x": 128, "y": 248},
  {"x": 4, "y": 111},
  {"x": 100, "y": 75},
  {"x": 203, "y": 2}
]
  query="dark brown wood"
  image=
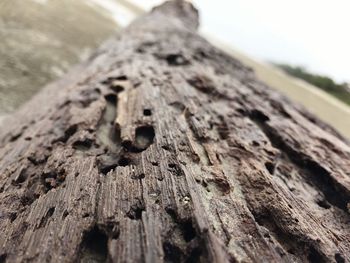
[{"x": 163, "y": 148}]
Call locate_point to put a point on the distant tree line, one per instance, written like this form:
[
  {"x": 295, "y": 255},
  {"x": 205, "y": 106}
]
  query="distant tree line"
[{"x": 339, "y": 90}]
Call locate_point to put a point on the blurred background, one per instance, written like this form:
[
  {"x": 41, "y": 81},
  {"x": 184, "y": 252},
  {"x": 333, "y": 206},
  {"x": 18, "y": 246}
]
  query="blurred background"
[{"x": 299, "y": 47}]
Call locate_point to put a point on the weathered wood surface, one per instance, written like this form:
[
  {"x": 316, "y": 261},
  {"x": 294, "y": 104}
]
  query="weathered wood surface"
[{"x": 163, "y": 148}]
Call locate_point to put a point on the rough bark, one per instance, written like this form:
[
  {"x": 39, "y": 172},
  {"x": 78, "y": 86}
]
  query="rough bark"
[{"x": 163, "y": 148}]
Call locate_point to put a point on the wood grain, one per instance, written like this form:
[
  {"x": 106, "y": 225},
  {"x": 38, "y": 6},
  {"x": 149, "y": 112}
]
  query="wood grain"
[{"x": 161, "y": 148}]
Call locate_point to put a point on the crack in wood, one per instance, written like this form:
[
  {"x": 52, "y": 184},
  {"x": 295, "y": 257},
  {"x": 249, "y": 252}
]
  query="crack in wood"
[
  {"x": 94, "y": 246},
  {"x": 335, "y": 193}
]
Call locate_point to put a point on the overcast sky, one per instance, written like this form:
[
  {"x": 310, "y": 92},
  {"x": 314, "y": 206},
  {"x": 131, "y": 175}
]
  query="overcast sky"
[{"x": 311, "y": 33}]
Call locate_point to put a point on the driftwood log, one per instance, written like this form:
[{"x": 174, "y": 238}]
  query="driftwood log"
[{"x": 162, "y": 148}]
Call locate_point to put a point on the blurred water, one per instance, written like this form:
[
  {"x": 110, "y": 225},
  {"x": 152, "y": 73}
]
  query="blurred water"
[{"x": 41, "y": 40}]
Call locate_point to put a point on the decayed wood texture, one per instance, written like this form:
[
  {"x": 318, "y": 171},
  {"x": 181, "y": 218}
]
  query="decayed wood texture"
[{"x": 163, "y": 148}]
